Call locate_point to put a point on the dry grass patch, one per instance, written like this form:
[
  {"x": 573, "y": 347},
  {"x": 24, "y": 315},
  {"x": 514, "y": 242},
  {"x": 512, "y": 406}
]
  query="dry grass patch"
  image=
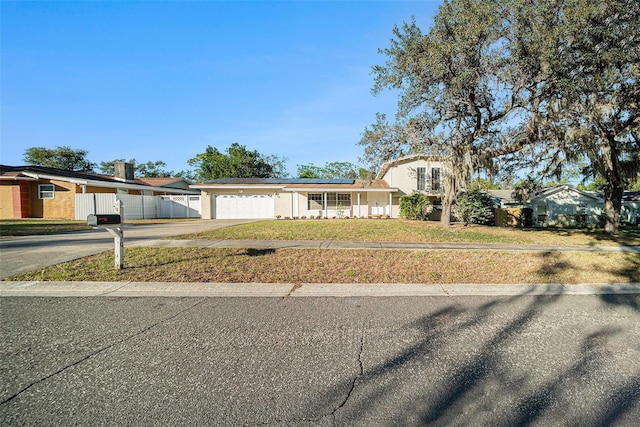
[
  {"x": 348, "y": 266},
  {"x": 406, "y": 231}
]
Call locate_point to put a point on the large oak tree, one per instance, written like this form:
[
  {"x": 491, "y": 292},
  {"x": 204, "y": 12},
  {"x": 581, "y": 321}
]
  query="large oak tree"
[{"x": 548, "y": 81}]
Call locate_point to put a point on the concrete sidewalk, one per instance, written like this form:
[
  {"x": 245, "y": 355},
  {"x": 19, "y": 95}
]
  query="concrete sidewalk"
[{"x": 285, "y": 290}]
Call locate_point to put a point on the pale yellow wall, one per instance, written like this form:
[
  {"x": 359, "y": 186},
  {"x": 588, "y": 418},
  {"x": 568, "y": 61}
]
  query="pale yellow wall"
[
  {"x": 403, "y": 176},
  {"x": 6, "y": 201},
  {"x": 206, "y": 205},
  {"x": 282, "y": 203},
  {"x": 91, "y": 189},
  {"x": 60, "y": 207}
]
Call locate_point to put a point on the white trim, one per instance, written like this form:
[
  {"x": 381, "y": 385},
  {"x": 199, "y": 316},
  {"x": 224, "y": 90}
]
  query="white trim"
[
  {"x": 104, "y": 184},
  {"x": 235, "y": 187},
  {"x": 341, "y": 190}
]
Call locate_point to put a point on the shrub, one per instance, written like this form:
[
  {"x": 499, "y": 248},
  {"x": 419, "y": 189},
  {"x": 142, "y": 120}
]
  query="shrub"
[
  {"x": 475, "y": 207},
  {"x": 415, "y": 206}
]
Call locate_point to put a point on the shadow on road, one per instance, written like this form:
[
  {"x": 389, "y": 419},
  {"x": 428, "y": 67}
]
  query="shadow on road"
[{"x": 508, "y": 375}]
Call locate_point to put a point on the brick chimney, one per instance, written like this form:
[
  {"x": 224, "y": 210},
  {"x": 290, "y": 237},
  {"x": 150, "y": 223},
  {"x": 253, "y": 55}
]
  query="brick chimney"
[{"x": 123, "y": 171}]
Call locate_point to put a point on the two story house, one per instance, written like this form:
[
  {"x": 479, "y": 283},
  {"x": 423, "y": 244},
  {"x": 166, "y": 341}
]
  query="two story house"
[{"x": 326, "y": 198}]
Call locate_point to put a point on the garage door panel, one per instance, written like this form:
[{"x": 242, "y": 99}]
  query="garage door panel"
[{"x": 244, "y": 206}]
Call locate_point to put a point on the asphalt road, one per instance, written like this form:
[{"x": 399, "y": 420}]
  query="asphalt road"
[
  {"x": 27, "y": 253},
  {"x": 467, "y": 360}
]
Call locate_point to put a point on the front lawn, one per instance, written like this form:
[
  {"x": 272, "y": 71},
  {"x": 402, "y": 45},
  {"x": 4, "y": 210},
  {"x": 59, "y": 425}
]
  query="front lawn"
[
  {"x": 152, "y": 264},
  {"x": 396, "y": 230}
]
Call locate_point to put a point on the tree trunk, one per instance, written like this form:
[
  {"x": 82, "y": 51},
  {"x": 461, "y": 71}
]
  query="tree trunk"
[
  {"x": 612, "y": 205},
  {"x": 450, "y": 191}
]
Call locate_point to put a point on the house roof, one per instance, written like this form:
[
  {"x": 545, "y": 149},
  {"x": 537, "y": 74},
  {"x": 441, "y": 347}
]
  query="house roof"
[
  {"x": 298, "y": 184},
  {"x": 160, "y": 182},
  {"x": 277, "y": 181},
  {"x": 25, "y": 171},
  {"x": 31, "y": 173},
  {"x": 428, "y": 157},
  {"x": 545, "y": 192}
]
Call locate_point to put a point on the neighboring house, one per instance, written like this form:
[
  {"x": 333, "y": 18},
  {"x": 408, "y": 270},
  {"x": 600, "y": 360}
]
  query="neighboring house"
[
  {"x": 43, "y": 192},
  {"x": 272, "y": 197},
  {"x": 630, "y": 211},
  {"x": 563, "y": 205}
]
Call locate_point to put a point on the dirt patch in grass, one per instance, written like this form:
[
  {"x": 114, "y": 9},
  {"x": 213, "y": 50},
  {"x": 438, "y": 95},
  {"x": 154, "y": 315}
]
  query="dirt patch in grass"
[
  {"x": 396, "y": 230},
  {"x": 347, "y": 266}
]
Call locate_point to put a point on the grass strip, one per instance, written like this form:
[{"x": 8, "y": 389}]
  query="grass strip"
[
  {"x": 410, "y": 231},
  {"x": 148, "y": 264}
]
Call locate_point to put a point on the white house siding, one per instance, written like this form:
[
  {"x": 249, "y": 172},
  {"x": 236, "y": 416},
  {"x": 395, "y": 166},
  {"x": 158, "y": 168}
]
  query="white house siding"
[
  {"x": 403, "y": 175},
  {"x": 564, "y": 204}
]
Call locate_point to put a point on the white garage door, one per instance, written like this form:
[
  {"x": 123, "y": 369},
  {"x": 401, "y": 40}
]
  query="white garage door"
[{"x": 229, "y": 206}]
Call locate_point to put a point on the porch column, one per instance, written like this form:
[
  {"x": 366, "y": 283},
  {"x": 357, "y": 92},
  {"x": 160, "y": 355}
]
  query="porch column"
[
  {"x": 324, "y": 204},
  {"x": 390, "y": 205},
  {"x": 359, "y": 215},
  {"x": 291, "y": 203}
]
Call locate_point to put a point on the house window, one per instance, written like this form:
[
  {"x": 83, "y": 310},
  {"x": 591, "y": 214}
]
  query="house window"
[
  {"x": 435, "y": 179},
  {"x": 46, "y": 191},
  {"x": 421, "y": 174},
  {"x": 338, "y": 200},
  {"x": 315, "y": 201},
  {"x": 334, "y": 201}
]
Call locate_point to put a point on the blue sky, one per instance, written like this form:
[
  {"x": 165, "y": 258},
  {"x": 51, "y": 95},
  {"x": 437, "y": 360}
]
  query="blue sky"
[{"x": 162, "y": 80}]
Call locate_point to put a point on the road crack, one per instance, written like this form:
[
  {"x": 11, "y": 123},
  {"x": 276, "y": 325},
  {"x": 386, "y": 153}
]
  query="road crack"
[
  {"x": 355, "y": 379},
  {"x": 100, "y": 350}
]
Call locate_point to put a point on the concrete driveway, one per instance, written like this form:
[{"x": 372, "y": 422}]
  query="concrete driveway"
[{"x": 28, "y": 253}]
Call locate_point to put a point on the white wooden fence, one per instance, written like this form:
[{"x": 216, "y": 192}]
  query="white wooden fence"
[{"x": 138, "y": 207}]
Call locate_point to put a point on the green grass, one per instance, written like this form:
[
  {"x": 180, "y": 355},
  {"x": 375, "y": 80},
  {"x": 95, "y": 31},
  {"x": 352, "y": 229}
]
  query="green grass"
[
  {"x": 152, "y": 264},
  {"x": 395, "y": 230}
]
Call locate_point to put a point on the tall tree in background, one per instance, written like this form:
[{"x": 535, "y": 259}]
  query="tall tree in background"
[
  {"x": 237, "y": 162},
  {"x": 458, "y": 90},
  {"x": 592, "y": 107},
  {"x": 333, "y": 170},
  {"x": 553, "y": 81},
  {"x": 64, "y": 157},
  {"x": 146, "y": 170}
]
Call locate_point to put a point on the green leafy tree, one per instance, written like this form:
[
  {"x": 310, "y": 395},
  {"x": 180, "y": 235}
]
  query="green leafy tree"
[
  {"x": 587, "y": 57},
  {"x": 146, "y": 170},
  {"x": 416, "y": 206},
  {"x": 64, "y": 157},
  {"x": 237, "y": 162},
  {"x": 550, "y": 81},
  {"x": 475, "y": 207},
  {"x": 332, "y": 170},
  {"x": 309, "y": 171},
  {"x": 459, "y": 90}
]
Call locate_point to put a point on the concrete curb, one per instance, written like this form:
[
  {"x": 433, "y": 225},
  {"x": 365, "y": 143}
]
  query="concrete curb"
[{"x": 283, "y": 290}]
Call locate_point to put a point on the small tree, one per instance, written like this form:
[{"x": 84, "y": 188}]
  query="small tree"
[
  {"x": 64, "y": 157},
  {"x": 475, "y": 207},
  {"x": 415, "y": 206}
]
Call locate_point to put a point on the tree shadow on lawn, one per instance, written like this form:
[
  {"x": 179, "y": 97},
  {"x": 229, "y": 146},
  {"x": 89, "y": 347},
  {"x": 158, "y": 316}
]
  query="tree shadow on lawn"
[
  {"x": 629, "y": 236},
  {"x": 459, "y": 372}
]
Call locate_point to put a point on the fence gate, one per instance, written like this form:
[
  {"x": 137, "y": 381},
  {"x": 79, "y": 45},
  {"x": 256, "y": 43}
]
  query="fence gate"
[{"x": 138, "y": 207}]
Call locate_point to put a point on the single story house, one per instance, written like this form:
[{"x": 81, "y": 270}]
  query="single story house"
[
  {"x": 297, "y": 197},
  {"x": 44, "y": 192},
  {"x": 565, "y": 205},
  {"x": 273, "y": 197}
]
